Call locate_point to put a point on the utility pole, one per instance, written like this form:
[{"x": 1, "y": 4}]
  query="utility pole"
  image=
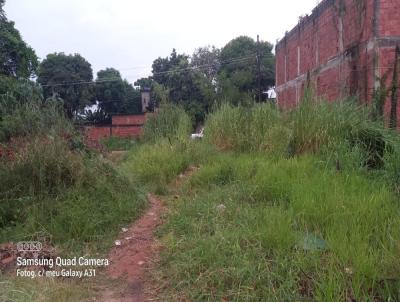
[
  {"x": 259, "y": 69},
  {"x": 395, "y": 86}
]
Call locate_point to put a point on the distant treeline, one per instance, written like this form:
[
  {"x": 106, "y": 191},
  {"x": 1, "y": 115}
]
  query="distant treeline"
[{"x": 234, "y": 73}]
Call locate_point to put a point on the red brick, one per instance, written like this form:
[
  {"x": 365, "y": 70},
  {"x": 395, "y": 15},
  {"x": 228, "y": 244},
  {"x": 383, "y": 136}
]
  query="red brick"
[{"x": 339, "y": 63}]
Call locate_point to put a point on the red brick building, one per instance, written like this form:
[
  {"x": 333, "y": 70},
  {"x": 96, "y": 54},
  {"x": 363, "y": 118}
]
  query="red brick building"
[{"x": 345, "y": 47}]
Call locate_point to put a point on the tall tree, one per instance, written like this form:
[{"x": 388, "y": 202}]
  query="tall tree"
[
  {"x": 2, "y": 13},
  {"x": 17, "y": 59},
  {"x": 18, "y": 63},
  {"x": 144, "y": 83},
  {"x": 186, "y": 85},
  {"x": 68, "y": 77},
  {"x": 115, "y": 95},
  {"x": 163, "y": 68},
  {"x": 238, "y": 73},
  {"x": 207, "y": 61}
]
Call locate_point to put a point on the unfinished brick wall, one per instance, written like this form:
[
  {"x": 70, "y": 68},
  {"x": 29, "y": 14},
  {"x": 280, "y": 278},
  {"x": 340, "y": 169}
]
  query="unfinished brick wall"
[
  {"x": 119, "y": 120},
  {"x": 343, "y": 48},
  {"x": 124, "y": 126},
  {"x": 127, "y": 132},
  {"x": 96, "y": 133}
]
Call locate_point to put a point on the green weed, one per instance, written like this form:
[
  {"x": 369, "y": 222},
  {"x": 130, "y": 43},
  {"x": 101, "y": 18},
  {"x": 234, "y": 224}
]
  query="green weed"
[
  {"x": 119, "y": 144},
  {"x": 239, "y": 236}
]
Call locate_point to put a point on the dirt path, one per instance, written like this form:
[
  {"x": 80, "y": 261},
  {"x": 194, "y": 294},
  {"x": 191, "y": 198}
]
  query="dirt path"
[
  {"x": 129, "y": 261},
  {"x": 136, "y": 252}
]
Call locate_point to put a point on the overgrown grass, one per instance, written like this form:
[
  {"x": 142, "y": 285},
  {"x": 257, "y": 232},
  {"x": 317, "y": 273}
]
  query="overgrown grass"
[
  {"x": 170, "y": 122},
  {"x": 32, "y": 118},
  {"x": 296, "y": 206},
  {"x": 26, "y": 290},
  {"x": 254, "y": 129},
  {"x": 312, "y": 127},
  {"x": 239, "y": 232},
  {"x": 119, "y": 144},
  {"x": 154, "y": 166},
  {"x": 52, "y": 189}
]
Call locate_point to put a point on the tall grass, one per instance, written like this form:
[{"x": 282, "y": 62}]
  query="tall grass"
[
  {"x": 53, "y": 189},
  {"x": 258, "y": 128},
  {"x": 313, "y": 127},
  {"x": 298, "y": 206},
  {"x": 119, "y": 144},
  {"x": 253, "y": 249},
  {"x": 32, "y": 118},
  {"x": 170, "y": 122},
  {"x": 65, "y": 197},
  {"x": 155, "y": 166}
]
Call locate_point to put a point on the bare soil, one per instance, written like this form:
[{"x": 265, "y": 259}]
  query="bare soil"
[
  {"x": 130, "y": 260},
  {"x": 138, "y": 251}
]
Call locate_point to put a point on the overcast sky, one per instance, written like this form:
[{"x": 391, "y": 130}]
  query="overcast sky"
[{"x": 129, "y": 34}]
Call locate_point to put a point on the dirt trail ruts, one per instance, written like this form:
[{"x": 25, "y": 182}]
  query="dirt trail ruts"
[{"x": 129, "y": 260}]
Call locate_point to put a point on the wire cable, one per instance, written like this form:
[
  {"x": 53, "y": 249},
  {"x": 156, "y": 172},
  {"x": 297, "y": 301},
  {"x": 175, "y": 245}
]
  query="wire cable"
[{"x": 192, "y": 68}]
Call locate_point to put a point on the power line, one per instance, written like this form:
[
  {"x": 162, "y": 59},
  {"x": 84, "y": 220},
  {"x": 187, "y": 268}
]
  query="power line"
[{"x": 192, "y": 68}]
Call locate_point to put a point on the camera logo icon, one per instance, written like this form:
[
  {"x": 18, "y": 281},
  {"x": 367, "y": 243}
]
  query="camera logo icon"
[{"x": 29, "y": 246}]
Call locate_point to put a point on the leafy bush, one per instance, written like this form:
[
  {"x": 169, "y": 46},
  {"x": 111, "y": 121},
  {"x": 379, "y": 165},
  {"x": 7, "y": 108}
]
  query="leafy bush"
[{"x": 17, "y": 91}]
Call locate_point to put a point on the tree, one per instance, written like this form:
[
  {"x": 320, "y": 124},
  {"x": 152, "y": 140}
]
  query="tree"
[
  {"x": 207, "y": 61},
  {"x": 68, "y": 77},
  {"x": 115, "y": 95},
  {"x": 2, "y": 13},
  {"x": 237, "y": 76},
  {"x": 163, "y": 68},
  {"x": 18, "y": 63},
  {"x": 186, "y": 85},
  {"x": 133, "y": 99},
  {"x": 144, "y": 83},
  {"x": 17, "y": 59}
]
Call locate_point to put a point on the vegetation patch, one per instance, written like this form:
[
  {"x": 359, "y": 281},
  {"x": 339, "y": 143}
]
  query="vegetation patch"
[{"x": 254, "y": 223}]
